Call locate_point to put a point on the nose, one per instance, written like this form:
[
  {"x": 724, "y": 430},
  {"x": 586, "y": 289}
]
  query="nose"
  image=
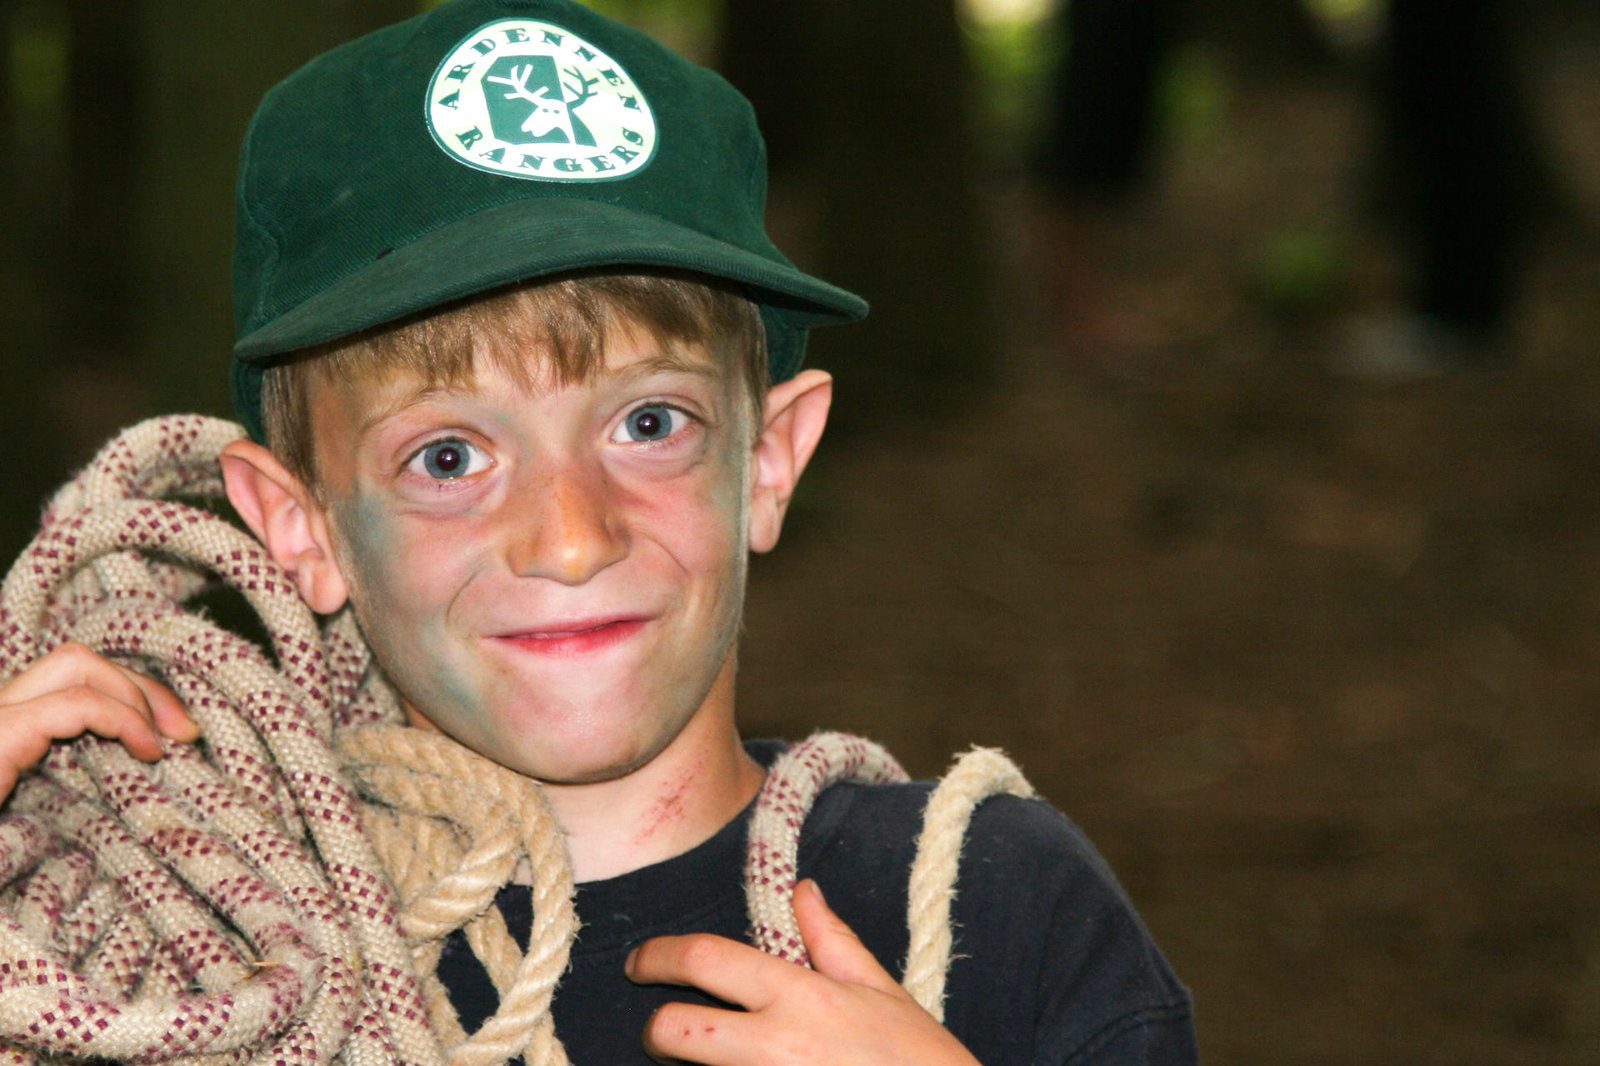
[{"x": 564, "y": 526}]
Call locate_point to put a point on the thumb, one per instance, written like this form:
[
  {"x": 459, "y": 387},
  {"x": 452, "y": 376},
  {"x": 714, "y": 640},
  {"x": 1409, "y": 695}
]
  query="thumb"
[{"x": 835, "y": 949}]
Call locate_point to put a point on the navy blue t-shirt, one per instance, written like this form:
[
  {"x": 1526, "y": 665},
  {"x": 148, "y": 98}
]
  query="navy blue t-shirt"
[{"x": 1052, "y": 965}]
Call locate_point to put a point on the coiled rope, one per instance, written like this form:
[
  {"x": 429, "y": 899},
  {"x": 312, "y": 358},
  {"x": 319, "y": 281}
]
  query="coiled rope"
[{"x": 280, "y": 891}]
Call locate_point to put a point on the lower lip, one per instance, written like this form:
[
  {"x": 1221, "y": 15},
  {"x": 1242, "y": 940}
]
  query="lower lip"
[{"x": 582, "y": 642}]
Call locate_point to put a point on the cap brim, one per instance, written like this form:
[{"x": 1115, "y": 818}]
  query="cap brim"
[{"x": 528, "y": 239}]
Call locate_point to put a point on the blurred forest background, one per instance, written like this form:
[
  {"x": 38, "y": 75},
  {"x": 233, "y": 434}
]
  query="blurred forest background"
[{"x": 1312, "y": 651}]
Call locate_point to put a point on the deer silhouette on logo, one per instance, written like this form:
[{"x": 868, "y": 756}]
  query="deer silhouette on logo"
[{"x": 552, "y": 117}]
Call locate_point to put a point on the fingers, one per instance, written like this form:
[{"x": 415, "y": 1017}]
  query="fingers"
[
  {"x": 166, "y": 710},
  {"x": 73, "y": 665},
  {"x": 68, "y": 665},
  {"x": 741, "y": 974},
  {"x": 727, "y": 969},
  {"x": 72, "y": 691},
  {"x": 847, "y": 1010},
  {"x": 27, "y": 729},
  {"x": 835, "y": 949},
  {"x": 690, "y": 1032}
]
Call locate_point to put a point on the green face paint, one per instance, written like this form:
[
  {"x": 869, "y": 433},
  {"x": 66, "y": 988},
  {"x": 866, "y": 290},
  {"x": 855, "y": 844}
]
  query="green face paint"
[{"x": 553, "y": 576}]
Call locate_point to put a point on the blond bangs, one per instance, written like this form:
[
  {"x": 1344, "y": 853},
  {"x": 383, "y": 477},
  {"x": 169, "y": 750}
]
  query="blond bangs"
[{"x": 566, "y": 321}]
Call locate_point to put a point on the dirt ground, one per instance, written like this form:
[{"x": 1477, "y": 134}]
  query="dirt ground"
[{"x": 1314, "y": 661}]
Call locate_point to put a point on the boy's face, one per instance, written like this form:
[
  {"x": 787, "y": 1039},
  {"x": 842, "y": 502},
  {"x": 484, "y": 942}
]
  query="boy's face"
[{"x": 552, "y": 575}]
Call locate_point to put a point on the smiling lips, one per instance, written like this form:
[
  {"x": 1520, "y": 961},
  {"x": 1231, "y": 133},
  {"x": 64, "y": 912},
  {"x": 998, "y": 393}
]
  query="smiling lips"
[{"x": 579, "y": 637}]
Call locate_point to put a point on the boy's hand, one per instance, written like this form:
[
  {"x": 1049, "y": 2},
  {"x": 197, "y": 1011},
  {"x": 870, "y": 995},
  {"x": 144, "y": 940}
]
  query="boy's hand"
[
  {"x": 73, "y": 691},
  {"x": 847, "y": 1010}
]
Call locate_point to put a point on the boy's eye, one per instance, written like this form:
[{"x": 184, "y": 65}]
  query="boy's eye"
[
  {"x": 652, "y": 422},
  {"x": 444, "y": 460}
]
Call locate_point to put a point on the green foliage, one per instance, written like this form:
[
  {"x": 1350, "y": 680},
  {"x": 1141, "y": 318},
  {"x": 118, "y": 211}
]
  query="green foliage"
[
  {"x": 1192, "y": 95},
  {"x": 701, "y": 15},
  {"x": 38, "y": 43},
  {"x": 1352, "y": 24},
  {"x": 688, "y": 26},
  {"x": 1013, "y": 53},
  {"x": 1301, "y": 270}
]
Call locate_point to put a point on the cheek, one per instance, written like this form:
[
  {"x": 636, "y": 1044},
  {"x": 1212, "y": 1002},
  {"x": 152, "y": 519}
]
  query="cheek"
[
  {"x": 404, "y": 575},
  {"x": 367, "y": 545},
  {"x": 698, "y": 518},
  {"x": 399, "y": 576},
  {"x": 699, "y": 526}
]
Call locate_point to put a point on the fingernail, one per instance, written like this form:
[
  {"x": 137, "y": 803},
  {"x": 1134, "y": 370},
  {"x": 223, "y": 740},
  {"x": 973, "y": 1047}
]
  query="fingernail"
[{"x": 815, "y": 889}]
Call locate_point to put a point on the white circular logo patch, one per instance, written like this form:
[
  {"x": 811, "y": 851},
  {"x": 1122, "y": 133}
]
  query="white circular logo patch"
[{"x": 534, "y": 100}]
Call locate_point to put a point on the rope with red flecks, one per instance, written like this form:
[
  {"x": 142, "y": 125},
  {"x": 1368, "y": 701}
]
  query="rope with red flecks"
[{"x": 280, "y": 891}]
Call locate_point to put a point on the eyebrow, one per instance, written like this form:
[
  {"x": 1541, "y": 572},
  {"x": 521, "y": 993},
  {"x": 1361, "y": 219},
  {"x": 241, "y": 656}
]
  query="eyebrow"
[
  {"x": 668, "y": 362},
  {"x": 388, "y": 410},
  {"x": 664, "y": 362}
]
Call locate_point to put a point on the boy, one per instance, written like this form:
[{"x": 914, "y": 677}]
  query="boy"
[{"x": 507, "y": 318}]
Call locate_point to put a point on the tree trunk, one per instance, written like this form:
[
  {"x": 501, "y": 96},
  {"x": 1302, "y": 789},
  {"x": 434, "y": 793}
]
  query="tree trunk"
[
  {"x": 34, "y": 38},
  {"x": 209, "y": 65},
  {"x": 95, "y": 387},
  {"x": 768, "y": 50},
  {"x": 871, "y": 110},
  {"x": 1270, "y": 38}
]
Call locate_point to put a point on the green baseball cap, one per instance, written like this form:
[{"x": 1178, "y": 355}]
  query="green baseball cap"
[{"x": 487, "y": 142}]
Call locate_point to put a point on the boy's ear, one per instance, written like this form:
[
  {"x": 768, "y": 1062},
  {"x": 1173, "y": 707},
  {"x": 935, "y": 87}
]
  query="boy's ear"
[
  {"x": 797, "y": 412},
  {"x": 281, "y": 513}
]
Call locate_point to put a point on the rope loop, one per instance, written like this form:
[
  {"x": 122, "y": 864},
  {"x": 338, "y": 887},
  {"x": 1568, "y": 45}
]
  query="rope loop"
[
  {"x": 229, "y": 903},
  {"x": 771, "y": 857},
  {"x": 973, "y": 778}
]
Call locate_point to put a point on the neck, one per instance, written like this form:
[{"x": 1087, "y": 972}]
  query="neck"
[{"x": 675, "y": 801}]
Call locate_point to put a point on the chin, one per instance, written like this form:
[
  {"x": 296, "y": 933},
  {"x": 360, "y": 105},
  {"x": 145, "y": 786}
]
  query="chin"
[
  {"x": 567, "y": 746},
  {"x": 581, "y": 762},
  {"x": 572, "y": 729}
]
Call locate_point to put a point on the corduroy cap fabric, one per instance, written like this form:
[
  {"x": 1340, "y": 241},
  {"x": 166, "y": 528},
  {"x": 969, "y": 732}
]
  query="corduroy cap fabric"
[{"x": 488, "y": 142}]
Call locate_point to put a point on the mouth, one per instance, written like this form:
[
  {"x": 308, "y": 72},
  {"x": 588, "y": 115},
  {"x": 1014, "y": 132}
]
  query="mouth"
[{"x": 566, "y": 639}]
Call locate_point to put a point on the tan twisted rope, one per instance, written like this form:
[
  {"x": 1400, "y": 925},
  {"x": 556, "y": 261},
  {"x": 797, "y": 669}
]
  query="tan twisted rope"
[
  {"x": 977, "y": 775},
  {"x": 279, "y": 892},
  {"x": 792, "y": 786},
  {"x": 422, "y": 774}
]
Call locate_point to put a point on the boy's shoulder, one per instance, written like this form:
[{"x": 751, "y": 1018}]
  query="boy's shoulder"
[
  {"x": 1051, "y": 961},
  {"x": 1020, "y": 836}
]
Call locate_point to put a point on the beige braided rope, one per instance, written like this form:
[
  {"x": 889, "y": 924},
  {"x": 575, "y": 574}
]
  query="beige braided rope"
[
  {"x": 227, "y": 903},
  {"x": 280, "y": 891},
  {"x": 771, "y": 863}
]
